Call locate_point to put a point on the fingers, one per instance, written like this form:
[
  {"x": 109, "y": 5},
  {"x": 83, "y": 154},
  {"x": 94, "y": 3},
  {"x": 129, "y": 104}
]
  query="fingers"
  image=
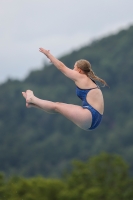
[
  {"x": 40, "y": 49},
  {"x": 44, "y": 50}
]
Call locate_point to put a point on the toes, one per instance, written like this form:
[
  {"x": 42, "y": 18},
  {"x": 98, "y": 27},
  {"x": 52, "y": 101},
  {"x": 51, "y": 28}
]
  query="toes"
[
  {"x": 27, "y": 100},
  {"x": 24, "y": 94},
  {"x": 28, "y": 105}
]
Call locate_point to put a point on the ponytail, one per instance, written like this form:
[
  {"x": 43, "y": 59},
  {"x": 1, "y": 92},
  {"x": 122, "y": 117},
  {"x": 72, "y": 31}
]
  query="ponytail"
[
  {"x": 92, "y": 76},
  {"x": 86, "y": 67}
]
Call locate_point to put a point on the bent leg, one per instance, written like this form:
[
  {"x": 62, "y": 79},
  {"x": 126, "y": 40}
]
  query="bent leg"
[{"x": 78, "y": 115}]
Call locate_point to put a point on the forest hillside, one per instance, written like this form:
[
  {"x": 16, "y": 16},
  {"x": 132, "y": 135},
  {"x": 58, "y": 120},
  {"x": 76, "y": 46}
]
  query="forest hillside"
[{"x": 33, "y": 142}]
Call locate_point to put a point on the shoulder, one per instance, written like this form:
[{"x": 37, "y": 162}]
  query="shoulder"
[
  {"x": 72, "y": 74},
  {"x": 85, "y": 82}
]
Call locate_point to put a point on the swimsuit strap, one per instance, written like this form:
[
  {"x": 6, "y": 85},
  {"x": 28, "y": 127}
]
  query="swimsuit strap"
[
  {"x": 94, "y": 88},
  {"x": 89, "y": 88}
]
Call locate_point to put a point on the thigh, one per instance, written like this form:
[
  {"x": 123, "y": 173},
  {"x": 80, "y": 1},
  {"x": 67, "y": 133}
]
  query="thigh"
[{"x": 78, "y": 115}]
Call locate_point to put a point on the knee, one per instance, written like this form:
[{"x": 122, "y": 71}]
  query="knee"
[{"x": 57, "y": 106}]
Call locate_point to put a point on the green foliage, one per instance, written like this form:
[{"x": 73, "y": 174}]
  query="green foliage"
[
  {"x": 32, "y": 189},
  {"x": 103, "y": 177},
  {"x": 35, "y": 143}
]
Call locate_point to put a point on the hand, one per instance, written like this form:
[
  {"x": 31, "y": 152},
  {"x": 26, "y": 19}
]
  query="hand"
[{"x": 46, "y": 52}]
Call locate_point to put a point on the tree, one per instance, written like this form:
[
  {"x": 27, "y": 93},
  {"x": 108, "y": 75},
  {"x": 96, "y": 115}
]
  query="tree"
[{"x": 103, "y": 177}]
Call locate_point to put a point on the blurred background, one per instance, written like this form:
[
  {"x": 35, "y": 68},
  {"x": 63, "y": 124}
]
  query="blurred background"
[{"x": 37, "y": 149}]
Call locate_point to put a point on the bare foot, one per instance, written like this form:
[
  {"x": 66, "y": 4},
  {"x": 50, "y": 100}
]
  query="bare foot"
[
  {"x": 24, "y": 94},
  {"x": 28, "y": 96}
]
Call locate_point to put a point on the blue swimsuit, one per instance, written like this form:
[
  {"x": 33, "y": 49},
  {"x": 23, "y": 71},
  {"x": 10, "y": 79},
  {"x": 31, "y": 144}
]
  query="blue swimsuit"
[{"x": 96, "y": 116}]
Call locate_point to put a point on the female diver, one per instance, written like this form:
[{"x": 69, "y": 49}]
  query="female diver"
[{"x": 89, "y": 115}]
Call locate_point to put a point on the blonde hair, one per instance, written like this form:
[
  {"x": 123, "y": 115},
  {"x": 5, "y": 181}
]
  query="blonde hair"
[{"x": 85, "y": 66}]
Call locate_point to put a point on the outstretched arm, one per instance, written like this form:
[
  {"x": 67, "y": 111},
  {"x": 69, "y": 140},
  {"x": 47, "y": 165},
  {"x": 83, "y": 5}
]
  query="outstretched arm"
[
  {"x": 59, "y": 65},
  {"x": 53, "y": 60}
]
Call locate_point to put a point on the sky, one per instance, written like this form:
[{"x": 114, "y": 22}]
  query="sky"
[{"x": 60, "y": 26}]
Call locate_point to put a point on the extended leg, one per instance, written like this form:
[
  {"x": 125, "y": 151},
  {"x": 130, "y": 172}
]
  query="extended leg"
[
  {"x": 81, "y": 117},
  {"x": 32, "y": 101}
]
